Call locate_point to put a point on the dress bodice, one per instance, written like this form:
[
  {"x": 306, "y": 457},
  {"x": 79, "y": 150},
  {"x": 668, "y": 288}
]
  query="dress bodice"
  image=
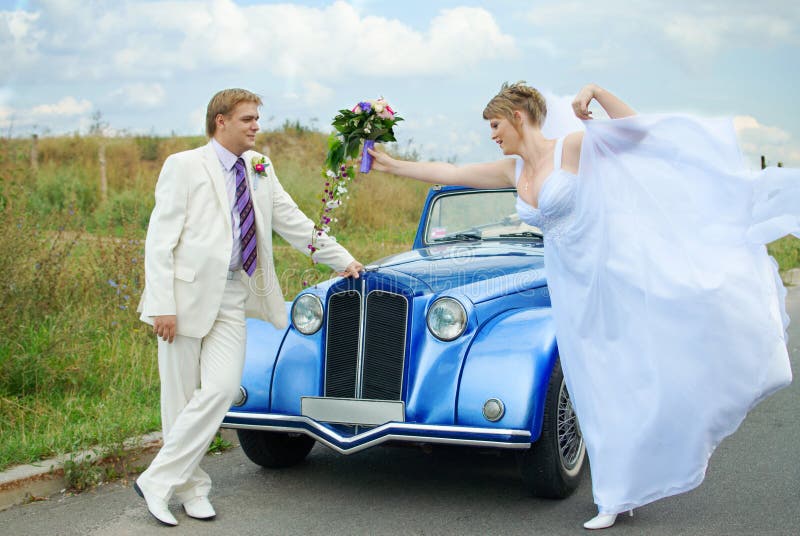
[{"x": 556, "y": 199}]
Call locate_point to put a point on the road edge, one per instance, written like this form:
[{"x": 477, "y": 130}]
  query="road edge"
[{"x": 23, "y": 484}]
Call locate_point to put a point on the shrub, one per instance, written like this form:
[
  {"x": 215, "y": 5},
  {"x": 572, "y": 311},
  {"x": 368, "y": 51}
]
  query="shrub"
[
  {"x": 148, "y": 147},
  {"x": 126, "y": 208},
  {"x": 62, "y": 191}
]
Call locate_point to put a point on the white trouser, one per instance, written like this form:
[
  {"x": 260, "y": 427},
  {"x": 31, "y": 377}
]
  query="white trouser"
[{"x": 199, "y": 380}]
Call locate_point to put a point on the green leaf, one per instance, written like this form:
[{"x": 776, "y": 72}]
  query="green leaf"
[
  {"x": 335, "y": 156},
  {"x": 353, "y": 145}
]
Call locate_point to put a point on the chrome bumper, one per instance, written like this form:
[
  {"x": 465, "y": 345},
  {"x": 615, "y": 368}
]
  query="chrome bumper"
[{"x": 390, "y": 431}]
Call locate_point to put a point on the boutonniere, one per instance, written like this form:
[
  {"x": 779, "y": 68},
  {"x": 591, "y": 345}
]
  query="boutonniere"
[{"x": 259, "y": 165}]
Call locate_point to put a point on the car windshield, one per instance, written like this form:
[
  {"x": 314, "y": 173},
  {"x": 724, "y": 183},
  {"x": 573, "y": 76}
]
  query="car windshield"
[{"x": 477, "y": 215}]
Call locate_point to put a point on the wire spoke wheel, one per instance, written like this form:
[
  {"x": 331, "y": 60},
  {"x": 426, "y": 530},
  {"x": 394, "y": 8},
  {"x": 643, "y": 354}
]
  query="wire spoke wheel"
[
  {"x": 554, "y": 464},
  {"x": 570, "y": 440}
]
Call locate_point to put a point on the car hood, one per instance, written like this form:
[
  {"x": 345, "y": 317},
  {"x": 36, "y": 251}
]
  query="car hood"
[{"x": 479, "y": 270}]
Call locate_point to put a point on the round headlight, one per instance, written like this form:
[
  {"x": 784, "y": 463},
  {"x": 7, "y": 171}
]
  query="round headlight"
[
  {"x": 447, "y": 319},
  {"x": 307, "y": 314},
  {"x": 241, "y": 398}
]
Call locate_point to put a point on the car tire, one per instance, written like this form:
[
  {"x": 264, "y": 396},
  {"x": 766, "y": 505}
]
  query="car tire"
[
  {"x": 275, "y": 450},
  {"x": 553, "y": 466}
]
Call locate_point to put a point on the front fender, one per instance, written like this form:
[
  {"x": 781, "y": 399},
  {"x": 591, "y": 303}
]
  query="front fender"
[
  {"x": 510, "y": 359},
  {"x": 298, "y": 372},
  {"x": 263, "y": 345}
]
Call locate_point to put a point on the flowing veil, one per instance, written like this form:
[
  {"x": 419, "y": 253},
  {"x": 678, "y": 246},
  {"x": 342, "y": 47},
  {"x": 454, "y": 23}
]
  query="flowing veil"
[{"x": 560, "y": 119}]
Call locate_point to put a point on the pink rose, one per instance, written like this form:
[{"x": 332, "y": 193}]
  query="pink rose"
[{"x": 387, "y": 112}]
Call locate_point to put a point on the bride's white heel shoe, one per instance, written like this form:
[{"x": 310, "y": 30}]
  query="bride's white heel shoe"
[{"x": 603, "y": 521}]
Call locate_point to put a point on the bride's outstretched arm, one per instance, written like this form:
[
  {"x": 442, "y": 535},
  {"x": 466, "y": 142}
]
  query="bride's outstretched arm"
[
  {"x": 613, "y": 105},
  {"x": 497, "y": 174}
]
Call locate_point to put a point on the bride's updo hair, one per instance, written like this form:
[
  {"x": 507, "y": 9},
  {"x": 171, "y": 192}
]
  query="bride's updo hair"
[{"x": 517, "y": 96}]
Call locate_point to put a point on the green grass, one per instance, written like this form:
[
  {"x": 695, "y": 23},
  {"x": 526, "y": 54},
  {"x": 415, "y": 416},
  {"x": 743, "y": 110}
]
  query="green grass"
[
  {"x": 72, "y": 395},
  {"x": 786, "y": 251}
]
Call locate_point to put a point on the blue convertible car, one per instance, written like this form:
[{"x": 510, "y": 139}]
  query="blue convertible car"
[{"x": 452, "y": 342}]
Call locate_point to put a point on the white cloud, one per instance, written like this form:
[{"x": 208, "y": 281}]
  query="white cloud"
[
  {"x": 6, "y": 114},
  {"x": 61, "y": 114},
  {"x": 18, "y": 40},
  {"x": 142, "y": 95},
  {"x": 196, "y": 121},
  {"x": 313, "y": 94},
  {"x": 67, "y": 106},
  {"x": 701, "y": 36},
  {"x": 747, "y": 125},
  {"x": 695, "y": 33},
  {"x": 774, "y": 143},
  {"x": 316, "y": 93},
  {"x": 166, "y": 38},
  {"x": 133, "y": 52}
]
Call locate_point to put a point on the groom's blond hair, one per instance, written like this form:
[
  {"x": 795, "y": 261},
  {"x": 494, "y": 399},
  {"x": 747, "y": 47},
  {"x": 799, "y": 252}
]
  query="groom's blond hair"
[
  {"x": 223, "y": 103},
  {"x": 517, "y": 96}
]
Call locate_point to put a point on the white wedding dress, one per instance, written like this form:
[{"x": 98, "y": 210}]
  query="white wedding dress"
[{"x": 669, "y": 312}]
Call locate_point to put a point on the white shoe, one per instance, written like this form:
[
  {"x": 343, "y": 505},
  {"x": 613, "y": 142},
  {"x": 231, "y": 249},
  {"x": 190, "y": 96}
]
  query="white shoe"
[
  {"x": 158, "y": 507},
  {"x": 199, "y": 508},
  {"x": 603, "y": 521}
]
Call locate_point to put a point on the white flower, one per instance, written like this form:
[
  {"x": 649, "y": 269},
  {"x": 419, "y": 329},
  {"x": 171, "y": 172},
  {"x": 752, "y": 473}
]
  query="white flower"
[
  {"x": 341, "y": 190},
  {"x": 330, "y": 174},
  {"x": 333, "y": 203}
]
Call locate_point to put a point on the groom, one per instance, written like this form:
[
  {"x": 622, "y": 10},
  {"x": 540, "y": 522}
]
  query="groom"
[{"x": 208, "y": 260}]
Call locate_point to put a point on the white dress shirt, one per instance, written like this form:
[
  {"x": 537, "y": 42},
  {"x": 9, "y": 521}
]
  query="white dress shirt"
[{"x": 227, "y": 160}]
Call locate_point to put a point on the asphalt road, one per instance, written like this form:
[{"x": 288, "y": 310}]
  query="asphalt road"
[{"x": 752, "y": 487}]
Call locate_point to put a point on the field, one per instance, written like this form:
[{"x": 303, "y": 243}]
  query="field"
[{"x": 77, "y": 367}]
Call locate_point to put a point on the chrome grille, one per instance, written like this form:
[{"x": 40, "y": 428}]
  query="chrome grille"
[
  {"x": 384, "y": 346},
  {"x": 371, "y": 367},
  {"x": 341, "y": 362}
]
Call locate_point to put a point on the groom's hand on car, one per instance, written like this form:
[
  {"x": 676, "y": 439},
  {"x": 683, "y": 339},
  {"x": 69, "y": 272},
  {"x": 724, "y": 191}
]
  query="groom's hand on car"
[{"x": 353, "y": 270}]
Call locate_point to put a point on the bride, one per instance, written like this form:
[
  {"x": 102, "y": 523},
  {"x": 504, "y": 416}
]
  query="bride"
[{"x": 668, "y": 310}]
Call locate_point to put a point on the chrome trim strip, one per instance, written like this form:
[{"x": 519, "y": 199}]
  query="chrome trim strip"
[
  {"x": 361, "y": 331},
  {"x": 341, "y": 444},
  {"x": 352, "y": 411}
]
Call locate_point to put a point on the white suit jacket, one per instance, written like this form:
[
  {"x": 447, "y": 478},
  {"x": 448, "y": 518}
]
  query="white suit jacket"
[{"x": 189, "y": 241}]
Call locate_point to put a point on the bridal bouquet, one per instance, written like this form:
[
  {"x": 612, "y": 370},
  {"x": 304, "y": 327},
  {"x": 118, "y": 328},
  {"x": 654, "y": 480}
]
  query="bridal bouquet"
[{"x": 367, "y": 121}]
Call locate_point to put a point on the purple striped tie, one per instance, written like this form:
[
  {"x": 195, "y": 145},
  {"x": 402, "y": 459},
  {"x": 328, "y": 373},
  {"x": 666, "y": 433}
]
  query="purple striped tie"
[{"x": 247, "y": 220}]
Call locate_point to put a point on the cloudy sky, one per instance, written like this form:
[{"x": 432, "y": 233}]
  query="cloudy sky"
[{"x": 151, "y": 66}]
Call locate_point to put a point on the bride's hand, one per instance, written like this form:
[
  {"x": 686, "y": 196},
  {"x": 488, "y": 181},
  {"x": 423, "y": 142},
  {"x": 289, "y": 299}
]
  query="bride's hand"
[
  {"x": 580, "y": 105},
  {"x": 380, "y": 160}
]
